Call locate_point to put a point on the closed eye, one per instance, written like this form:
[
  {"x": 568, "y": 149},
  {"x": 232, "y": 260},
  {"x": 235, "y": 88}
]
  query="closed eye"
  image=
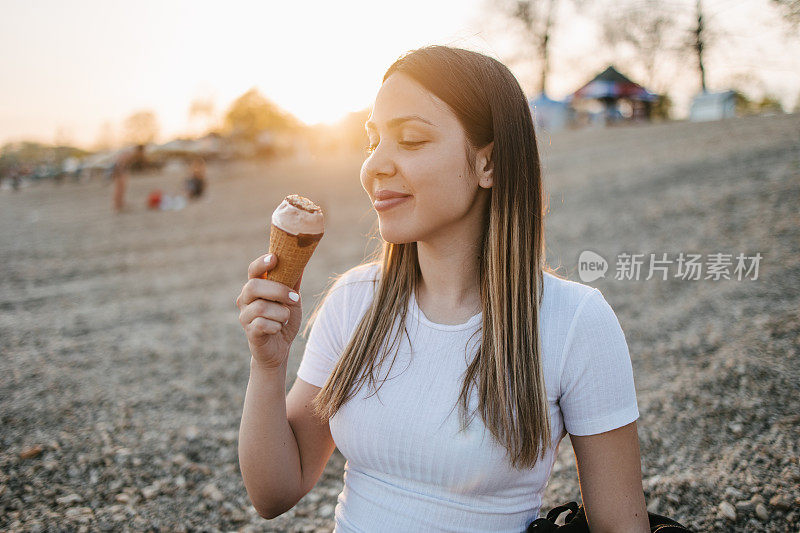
[
  {"x": 371, "y": 148},
  {"x": 412, "y": 143}
]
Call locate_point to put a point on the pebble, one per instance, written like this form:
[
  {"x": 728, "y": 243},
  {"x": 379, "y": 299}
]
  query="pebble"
[
  {"x": 727, "y": 510},
  {"x": 82, "y": 514},
  {"x": 211, "y": 492},
  {"x": 326, "y": 510},
  {"x": 780, "y": 501},
  {"x": 761, "y": 512},
  {"x": 744, "y": 505},
  {"x": 191, "y": 432},
  {"x": 69, "y": 499},
  {"x": 734, "y": 492},
  {"x": 150, "y": 491},
  {"x": 30, "y": 453},
  {"x": 654, "y": 505}
]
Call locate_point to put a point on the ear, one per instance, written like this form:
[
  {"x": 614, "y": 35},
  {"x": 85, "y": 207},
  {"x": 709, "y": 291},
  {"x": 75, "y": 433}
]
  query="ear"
[{"x": 485, "y": 166}]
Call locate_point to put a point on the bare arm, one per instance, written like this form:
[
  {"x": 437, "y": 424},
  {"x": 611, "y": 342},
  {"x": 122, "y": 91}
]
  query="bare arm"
[
  {"x": 269, "y": 457},
  {"x": 283, "y": 447},
  {"x": 610, "y": 476}
]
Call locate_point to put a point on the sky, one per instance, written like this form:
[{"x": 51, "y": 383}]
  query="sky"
[{"x": 70, "y": 67}]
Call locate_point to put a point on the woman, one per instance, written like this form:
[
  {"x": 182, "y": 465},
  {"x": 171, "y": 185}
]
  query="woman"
[{"x": 452, "y": 140}]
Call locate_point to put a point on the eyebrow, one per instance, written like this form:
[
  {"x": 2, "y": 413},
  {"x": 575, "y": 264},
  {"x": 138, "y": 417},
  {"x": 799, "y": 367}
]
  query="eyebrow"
[{"x": 393, "y": 123}]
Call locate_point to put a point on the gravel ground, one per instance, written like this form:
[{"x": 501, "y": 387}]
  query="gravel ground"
[{"x": 124, "y": 367}]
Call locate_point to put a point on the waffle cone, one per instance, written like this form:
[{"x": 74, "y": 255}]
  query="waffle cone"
[{"x": 293, "y": 253}]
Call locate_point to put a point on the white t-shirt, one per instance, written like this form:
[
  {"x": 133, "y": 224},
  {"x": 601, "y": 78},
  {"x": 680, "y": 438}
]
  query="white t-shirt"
[{"x": 408, "y": 468}]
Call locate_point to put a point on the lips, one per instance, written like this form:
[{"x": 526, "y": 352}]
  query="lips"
[
  {"x": 389, "y": 200},
  {"x": 386, "y": 194}
]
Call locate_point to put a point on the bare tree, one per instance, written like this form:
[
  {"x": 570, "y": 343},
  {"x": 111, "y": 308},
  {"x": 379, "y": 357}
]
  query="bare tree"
[
  {"x": 141, "y": 127},
  {"x": 647, "y": 26},
  {"x": 700, "y": 43},
  {"x": 538, "y": 19}
]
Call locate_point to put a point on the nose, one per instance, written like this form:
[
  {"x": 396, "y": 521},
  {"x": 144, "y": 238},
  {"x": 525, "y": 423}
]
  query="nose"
[{"x": 379, "y": 164}]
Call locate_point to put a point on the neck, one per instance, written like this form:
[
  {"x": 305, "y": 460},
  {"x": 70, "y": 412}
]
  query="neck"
[{"x": 450, "y": 271}]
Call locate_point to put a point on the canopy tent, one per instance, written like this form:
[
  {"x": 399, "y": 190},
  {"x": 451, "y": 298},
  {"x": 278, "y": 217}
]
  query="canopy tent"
[
  {"x": 611, "y": 97},
  {"x": 611, "y": 85},
  {"x": 551, "y": 115},
  {"x": 713, "y": 106}
]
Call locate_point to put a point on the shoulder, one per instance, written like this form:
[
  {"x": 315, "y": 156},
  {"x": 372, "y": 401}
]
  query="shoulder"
[
  {"x": 563, "y": 299},
  {"x": 355, "y": 285},
  {"x": 357, "y": 278}
]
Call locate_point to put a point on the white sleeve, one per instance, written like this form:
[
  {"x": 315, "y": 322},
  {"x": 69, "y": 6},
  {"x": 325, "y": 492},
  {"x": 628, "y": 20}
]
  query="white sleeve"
[
  {"x": 326, "y": 340},
  {"x": 597, "y": 387}
]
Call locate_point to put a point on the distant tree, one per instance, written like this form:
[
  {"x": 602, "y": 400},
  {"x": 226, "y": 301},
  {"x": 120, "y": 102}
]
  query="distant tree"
[
  {"x": 744, "y": 105},
  {"x": 646, "y": 26},
  {"x": 538, "y": 19},
  {"x": 252, "y": 113},
  {"x": 790, "y": 9},
  {"x": 700, "y": 42},
  {"x": 662, "y": 108},
  {"x": 141, "y": 128},
  {"x": 770, "y": 103},
  {"x": 34, "y": 153}
]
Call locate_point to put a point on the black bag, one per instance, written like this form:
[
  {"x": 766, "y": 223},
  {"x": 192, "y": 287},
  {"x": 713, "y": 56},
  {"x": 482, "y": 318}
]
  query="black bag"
[{"x": 576, "y": 522}]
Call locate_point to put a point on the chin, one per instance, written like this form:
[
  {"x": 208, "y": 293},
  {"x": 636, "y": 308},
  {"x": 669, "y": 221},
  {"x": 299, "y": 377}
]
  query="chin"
[{"x": 393, "y": 236}]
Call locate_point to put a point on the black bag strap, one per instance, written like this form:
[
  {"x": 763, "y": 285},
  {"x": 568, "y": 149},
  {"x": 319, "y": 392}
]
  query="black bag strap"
[
  {"x": 576, "y": 522},
  {"x": 555, "y": 512}
]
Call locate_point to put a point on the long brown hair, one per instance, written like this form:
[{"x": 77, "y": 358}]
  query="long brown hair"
[{"x": 507, "y": 368}]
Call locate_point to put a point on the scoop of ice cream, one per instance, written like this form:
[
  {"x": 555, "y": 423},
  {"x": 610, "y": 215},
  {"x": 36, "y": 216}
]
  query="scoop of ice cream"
[{"x": 297, "y": 214}]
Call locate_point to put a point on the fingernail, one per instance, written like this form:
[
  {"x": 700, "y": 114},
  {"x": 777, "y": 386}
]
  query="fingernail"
[
  {"x": 293, "y": 296},
  {"x": 268, "y": 258}
]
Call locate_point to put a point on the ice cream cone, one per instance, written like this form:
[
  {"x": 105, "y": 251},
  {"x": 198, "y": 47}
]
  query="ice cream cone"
[
  {"x": 293, "y": 253},
  {"x": 296, "y": 229}
]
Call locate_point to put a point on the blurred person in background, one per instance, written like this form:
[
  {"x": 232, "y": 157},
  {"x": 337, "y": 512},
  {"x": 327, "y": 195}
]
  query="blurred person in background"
[
  {"x": 196, "y": 183},
  {"x": 126, "y": 160}
]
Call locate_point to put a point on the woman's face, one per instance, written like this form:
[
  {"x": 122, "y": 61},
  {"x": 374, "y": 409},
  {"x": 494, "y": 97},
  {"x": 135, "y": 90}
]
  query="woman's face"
[{"x": 417, "y": 147}]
